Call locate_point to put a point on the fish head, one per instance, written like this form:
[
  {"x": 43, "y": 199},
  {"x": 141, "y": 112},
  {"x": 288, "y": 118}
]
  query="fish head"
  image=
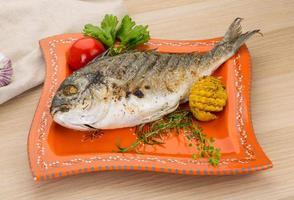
[{"x": 71, "y": 103}]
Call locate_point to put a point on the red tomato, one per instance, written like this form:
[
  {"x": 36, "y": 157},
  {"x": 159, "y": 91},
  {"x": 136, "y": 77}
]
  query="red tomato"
[{"x": 83, "y": 51}]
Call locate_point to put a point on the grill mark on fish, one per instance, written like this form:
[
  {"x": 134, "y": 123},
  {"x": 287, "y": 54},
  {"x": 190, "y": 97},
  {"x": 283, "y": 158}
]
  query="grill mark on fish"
[
  {"x": 195, "y": 62},
  {"x": 133, "y": 76},
  {"x": 150, "y": 62},
  {"x": 164, "y": 63},
  {"x": 135, "y": 67},
  {"x": 187, "y": 60},
  {"x": 117, "y": 60},
  {"x": 173, "y": 62},
  {"x": 137, "y": 75},
  {"x": 168, "y": 73},
  {"x": 143, "y": 60},
  {"x": 118, "y": 65},
  {"x": 161, "y": 61},
  {"x": 102, "y": 65},
  {"x": 177, "y": 71},
  {"x": 151, "y": 59},
  {"x": 98, "y": 78},
  {"x": 121, "y": 73},
  {"x": 109, "y": 64}
]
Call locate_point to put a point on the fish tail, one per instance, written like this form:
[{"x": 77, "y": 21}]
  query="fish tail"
[{"x": 232, "y": 41}]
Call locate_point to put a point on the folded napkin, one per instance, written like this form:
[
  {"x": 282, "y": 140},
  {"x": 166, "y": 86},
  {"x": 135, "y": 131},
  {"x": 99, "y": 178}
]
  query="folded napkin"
[{"x": 24, "y": 23}]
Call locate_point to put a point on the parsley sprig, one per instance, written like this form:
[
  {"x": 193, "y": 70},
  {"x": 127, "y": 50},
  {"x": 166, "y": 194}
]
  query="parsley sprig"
[
  {"x": 118, "y": 37},
  {"x": 153, "y": 134},
  {"x": 204, "y": 145}
]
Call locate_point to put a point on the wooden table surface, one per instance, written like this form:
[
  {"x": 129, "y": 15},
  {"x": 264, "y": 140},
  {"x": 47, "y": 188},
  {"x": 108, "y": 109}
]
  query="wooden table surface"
[{"x": 272, "y": 112}]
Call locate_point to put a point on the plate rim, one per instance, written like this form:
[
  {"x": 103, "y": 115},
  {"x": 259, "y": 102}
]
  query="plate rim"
[{"x": 39, "y": 173}]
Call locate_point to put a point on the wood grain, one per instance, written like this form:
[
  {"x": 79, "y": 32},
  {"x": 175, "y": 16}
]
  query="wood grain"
[{"x": 272, "y": 112}]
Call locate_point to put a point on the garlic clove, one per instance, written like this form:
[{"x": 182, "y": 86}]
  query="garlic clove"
[{"x": 6, "y": 70}]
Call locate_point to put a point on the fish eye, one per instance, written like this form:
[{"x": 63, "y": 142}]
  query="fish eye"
[{"x": 70, "y": 90}]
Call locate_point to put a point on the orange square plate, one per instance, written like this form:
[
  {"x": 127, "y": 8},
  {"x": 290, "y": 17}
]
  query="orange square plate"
[{"x": 55, "y": 151}]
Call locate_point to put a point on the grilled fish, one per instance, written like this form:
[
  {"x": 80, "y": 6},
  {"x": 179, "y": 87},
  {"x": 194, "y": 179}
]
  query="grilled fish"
[{"x": 137, "y": 87}]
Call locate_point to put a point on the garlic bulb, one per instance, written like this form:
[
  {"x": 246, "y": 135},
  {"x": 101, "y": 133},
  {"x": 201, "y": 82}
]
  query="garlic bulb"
[{"x": 5, "y": 70}]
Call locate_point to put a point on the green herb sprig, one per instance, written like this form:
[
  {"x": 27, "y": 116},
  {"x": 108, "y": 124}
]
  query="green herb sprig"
[
  {"x": 154, "y": 132},
  {"x": 118, "y": 37},
  {"x": 204, "y": 145}
]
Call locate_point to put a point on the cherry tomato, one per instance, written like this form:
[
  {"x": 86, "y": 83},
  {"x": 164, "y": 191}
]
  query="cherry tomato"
[{"x": 83, "y": 51}]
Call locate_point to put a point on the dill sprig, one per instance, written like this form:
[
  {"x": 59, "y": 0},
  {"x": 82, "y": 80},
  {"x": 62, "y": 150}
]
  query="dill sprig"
[{"x": 153, "y": 134}]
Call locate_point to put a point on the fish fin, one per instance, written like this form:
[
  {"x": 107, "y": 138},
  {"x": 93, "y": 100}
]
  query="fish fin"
[
  {"x": 160, "y": 113},
  {"x": 100, "y": 57},
  {"x": 234, "y": 31},
  {"x": 225, "y": 49}
]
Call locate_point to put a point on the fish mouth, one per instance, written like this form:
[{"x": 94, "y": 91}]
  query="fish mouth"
[
  {"x": 62, "y": 119},
  {"x": 90, "y": 127},
  {"x": 61, "y": 108},
  {"x": 57, "y": 117}
]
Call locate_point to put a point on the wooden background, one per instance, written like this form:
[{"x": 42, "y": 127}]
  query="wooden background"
[{"x": 272, "y": 112}]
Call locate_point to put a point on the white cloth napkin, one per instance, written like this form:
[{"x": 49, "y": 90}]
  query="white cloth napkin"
[{"x": 24, "y": 23}]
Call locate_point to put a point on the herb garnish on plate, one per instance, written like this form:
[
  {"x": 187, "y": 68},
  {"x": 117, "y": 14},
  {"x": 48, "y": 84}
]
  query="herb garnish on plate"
[
  {"x": 153, "y": 133},
  {"x": 118, "y": 37}
]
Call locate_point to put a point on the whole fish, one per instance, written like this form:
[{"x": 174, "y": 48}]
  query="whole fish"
[{"x": 137, "y": 87}]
